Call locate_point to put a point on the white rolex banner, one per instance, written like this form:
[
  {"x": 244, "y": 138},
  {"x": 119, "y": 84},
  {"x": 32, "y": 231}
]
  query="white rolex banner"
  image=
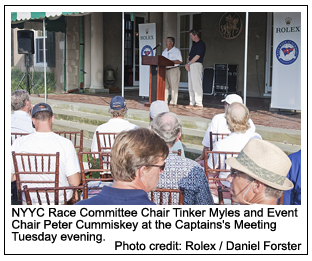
[
  {"x": 286, "y": 81},
  {"x": 147, "y": 41}
]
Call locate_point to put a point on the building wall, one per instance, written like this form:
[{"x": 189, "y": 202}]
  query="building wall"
[
  {"x": 113, "y": 44},
  {"x": 72, "y": 53},
  {"x": 59, "y": 62},
  {"x": 220, "y": 50},
  {"x": 157, "y": 18},
  {"x": 169, "y": 27},
  {"x": 18, "y": 60},
  {"x": 256, "y": 46}
]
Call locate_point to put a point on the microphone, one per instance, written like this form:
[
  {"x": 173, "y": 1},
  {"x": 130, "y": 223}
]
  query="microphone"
[{"x": 157, "y": 46}]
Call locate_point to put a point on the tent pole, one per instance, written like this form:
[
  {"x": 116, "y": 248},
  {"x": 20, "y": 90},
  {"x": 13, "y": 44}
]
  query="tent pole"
[
  {"x": 44, "y": 62},
  {"x": 123, "y": 56},
  {"x": 245, "y": 60}
]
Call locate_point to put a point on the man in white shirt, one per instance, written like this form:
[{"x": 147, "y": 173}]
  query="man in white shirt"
[
  {"x": 237, "y": 117},
  {"x": 46, "y": 141},
  {"x": 172, "y": 72},
  {"x": 117, "y": 123},
  {"x": 20, "y": 121},
  {"x": 218, "y": 125},
  {"x": 20, "y": 118}
]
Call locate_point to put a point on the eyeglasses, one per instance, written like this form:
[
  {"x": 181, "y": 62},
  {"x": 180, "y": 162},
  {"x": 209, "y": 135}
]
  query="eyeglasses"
[
  {"x": 234, "y": 172},
  {"x": 161, "y": 167}
]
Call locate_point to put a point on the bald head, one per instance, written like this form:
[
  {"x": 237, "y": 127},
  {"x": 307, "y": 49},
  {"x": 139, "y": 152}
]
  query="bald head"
[
  {"x": 237, "y": 116},
  {"x": 167, "y": 125}
]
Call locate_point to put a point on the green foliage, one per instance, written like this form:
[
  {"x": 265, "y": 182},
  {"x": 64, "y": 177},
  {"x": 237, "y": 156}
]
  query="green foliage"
[{"x": 38, "y": 79}]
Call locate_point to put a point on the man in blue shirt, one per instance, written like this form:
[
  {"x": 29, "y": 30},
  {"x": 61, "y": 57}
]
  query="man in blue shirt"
[
  {"x": 194, "y": 66},
  {"x": 293, "y": 196}
]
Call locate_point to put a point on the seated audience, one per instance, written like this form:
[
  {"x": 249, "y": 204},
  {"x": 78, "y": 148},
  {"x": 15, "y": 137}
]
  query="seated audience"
[
  {"x": 159, "y": 107},
  {"x": 293, "y": 196},
  {"x": 181, "y": 173},
  {"x": 237, "y": 118},
  {"x": 258, "y": 173},
  {"x": 46, "y": 141},
  {"x": 137, "y": 159},
  {"x": 116, "y": 124},
  {"x": 218, "y": 125}
]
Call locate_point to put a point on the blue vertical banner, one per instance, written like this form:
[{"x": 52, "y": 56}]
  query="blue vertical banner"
[{"x": 286, "y": 81}]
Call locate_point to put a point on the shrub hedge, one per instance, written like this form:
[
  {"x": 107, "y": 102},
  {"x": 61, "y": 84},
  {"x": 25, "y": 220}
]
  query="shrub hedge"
[{"x": 38, "y": 79}]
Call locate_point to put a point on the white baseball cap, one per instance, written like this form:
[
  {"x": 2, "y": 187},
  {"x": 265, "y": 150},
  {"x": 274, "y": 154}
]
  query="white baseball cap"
[
  {"x": 158, "y": 107},
  {"x": 232, "y": 98}
]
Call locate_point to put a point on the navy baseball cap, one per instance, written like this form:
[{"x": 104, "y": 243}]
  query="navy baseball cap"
[
  {"x": 117, "y": 103},
  {"x": 41, "y": 107}
]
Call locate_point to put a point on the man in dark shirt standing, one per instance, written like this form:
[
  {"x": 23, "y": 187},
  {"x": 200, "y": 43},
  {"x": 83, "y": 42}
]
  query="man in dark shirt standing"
[{"x": 194, "y": 66}]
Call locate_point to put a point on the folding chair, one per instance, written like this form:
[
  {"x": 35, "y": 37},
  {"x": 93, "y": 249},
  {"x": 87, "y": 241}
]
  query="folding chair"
[
  {"x": 105, "y": 141},
  {"x": 76, "y": 138},
  {"x": 220, "y": 195},
  {"x": 94, "y": 166},
  {"x": 46, "y": 192},
  {"x": 15, "y": 135},
  {"x": 218, "y": 166},
  {"x": 162, "y": 196},
  {"x": 36, "y": 168},
  {"x": 214, "y": 137}
]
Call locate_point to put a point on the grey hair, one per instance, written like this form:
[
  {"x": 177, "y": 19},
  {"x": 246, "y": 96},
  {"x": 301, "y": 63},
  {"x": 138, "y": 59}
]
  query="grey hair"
[
  {"x": 269, "y": 192},
  {"x": 117, "y": 113},
  {"x": 167, "y": 126},
  {"x": 237, "y": 117},
  {"x": 171, "y": 39},
  {"x": 18, "y": 99},
  {"x": 272, "y": 192}
]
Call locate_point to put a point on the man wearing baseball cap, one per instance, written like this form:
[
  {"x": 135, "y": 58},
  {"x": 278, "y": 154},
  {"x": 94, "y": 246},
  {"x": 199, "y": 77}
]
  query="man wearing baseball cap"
[
  {"x": 258, "y": 173},
  {"x": 46, "y": 141},
  {"x": 117, "y": 123},
  {"x": 218, "y": 124}
]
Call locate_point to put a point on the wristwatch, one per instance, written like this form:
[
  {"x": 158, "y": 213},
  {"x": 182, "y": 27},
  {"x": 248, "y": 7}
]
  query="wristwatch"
[{"x": 189, "y": 63}]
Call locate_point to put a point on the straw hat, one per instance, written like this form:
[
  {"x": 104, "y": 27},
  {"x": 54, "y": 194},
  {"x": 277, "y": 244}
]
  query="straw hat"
[{"x": 265, "y": 162}]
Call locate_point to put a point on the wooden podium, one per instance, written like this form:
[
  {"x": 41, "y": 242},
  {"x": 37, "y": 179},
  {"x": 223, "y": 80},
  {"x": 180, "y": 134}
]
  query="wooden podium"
[{"x": 157, "y": 76}]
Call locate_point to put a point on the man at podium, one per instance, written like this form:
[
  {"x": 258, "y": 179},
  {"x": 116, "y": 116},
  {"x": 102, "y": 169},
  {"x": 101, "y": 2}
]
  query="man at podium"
[{"x": 172, "y": 72}]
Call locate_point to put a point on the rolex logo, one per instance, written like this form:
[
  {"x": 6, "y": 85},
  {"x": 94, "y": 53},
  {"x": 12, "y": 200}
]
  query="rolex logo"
[
  {"x": 288, "y": 21},
  {"x": 146, "y": 30}
]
